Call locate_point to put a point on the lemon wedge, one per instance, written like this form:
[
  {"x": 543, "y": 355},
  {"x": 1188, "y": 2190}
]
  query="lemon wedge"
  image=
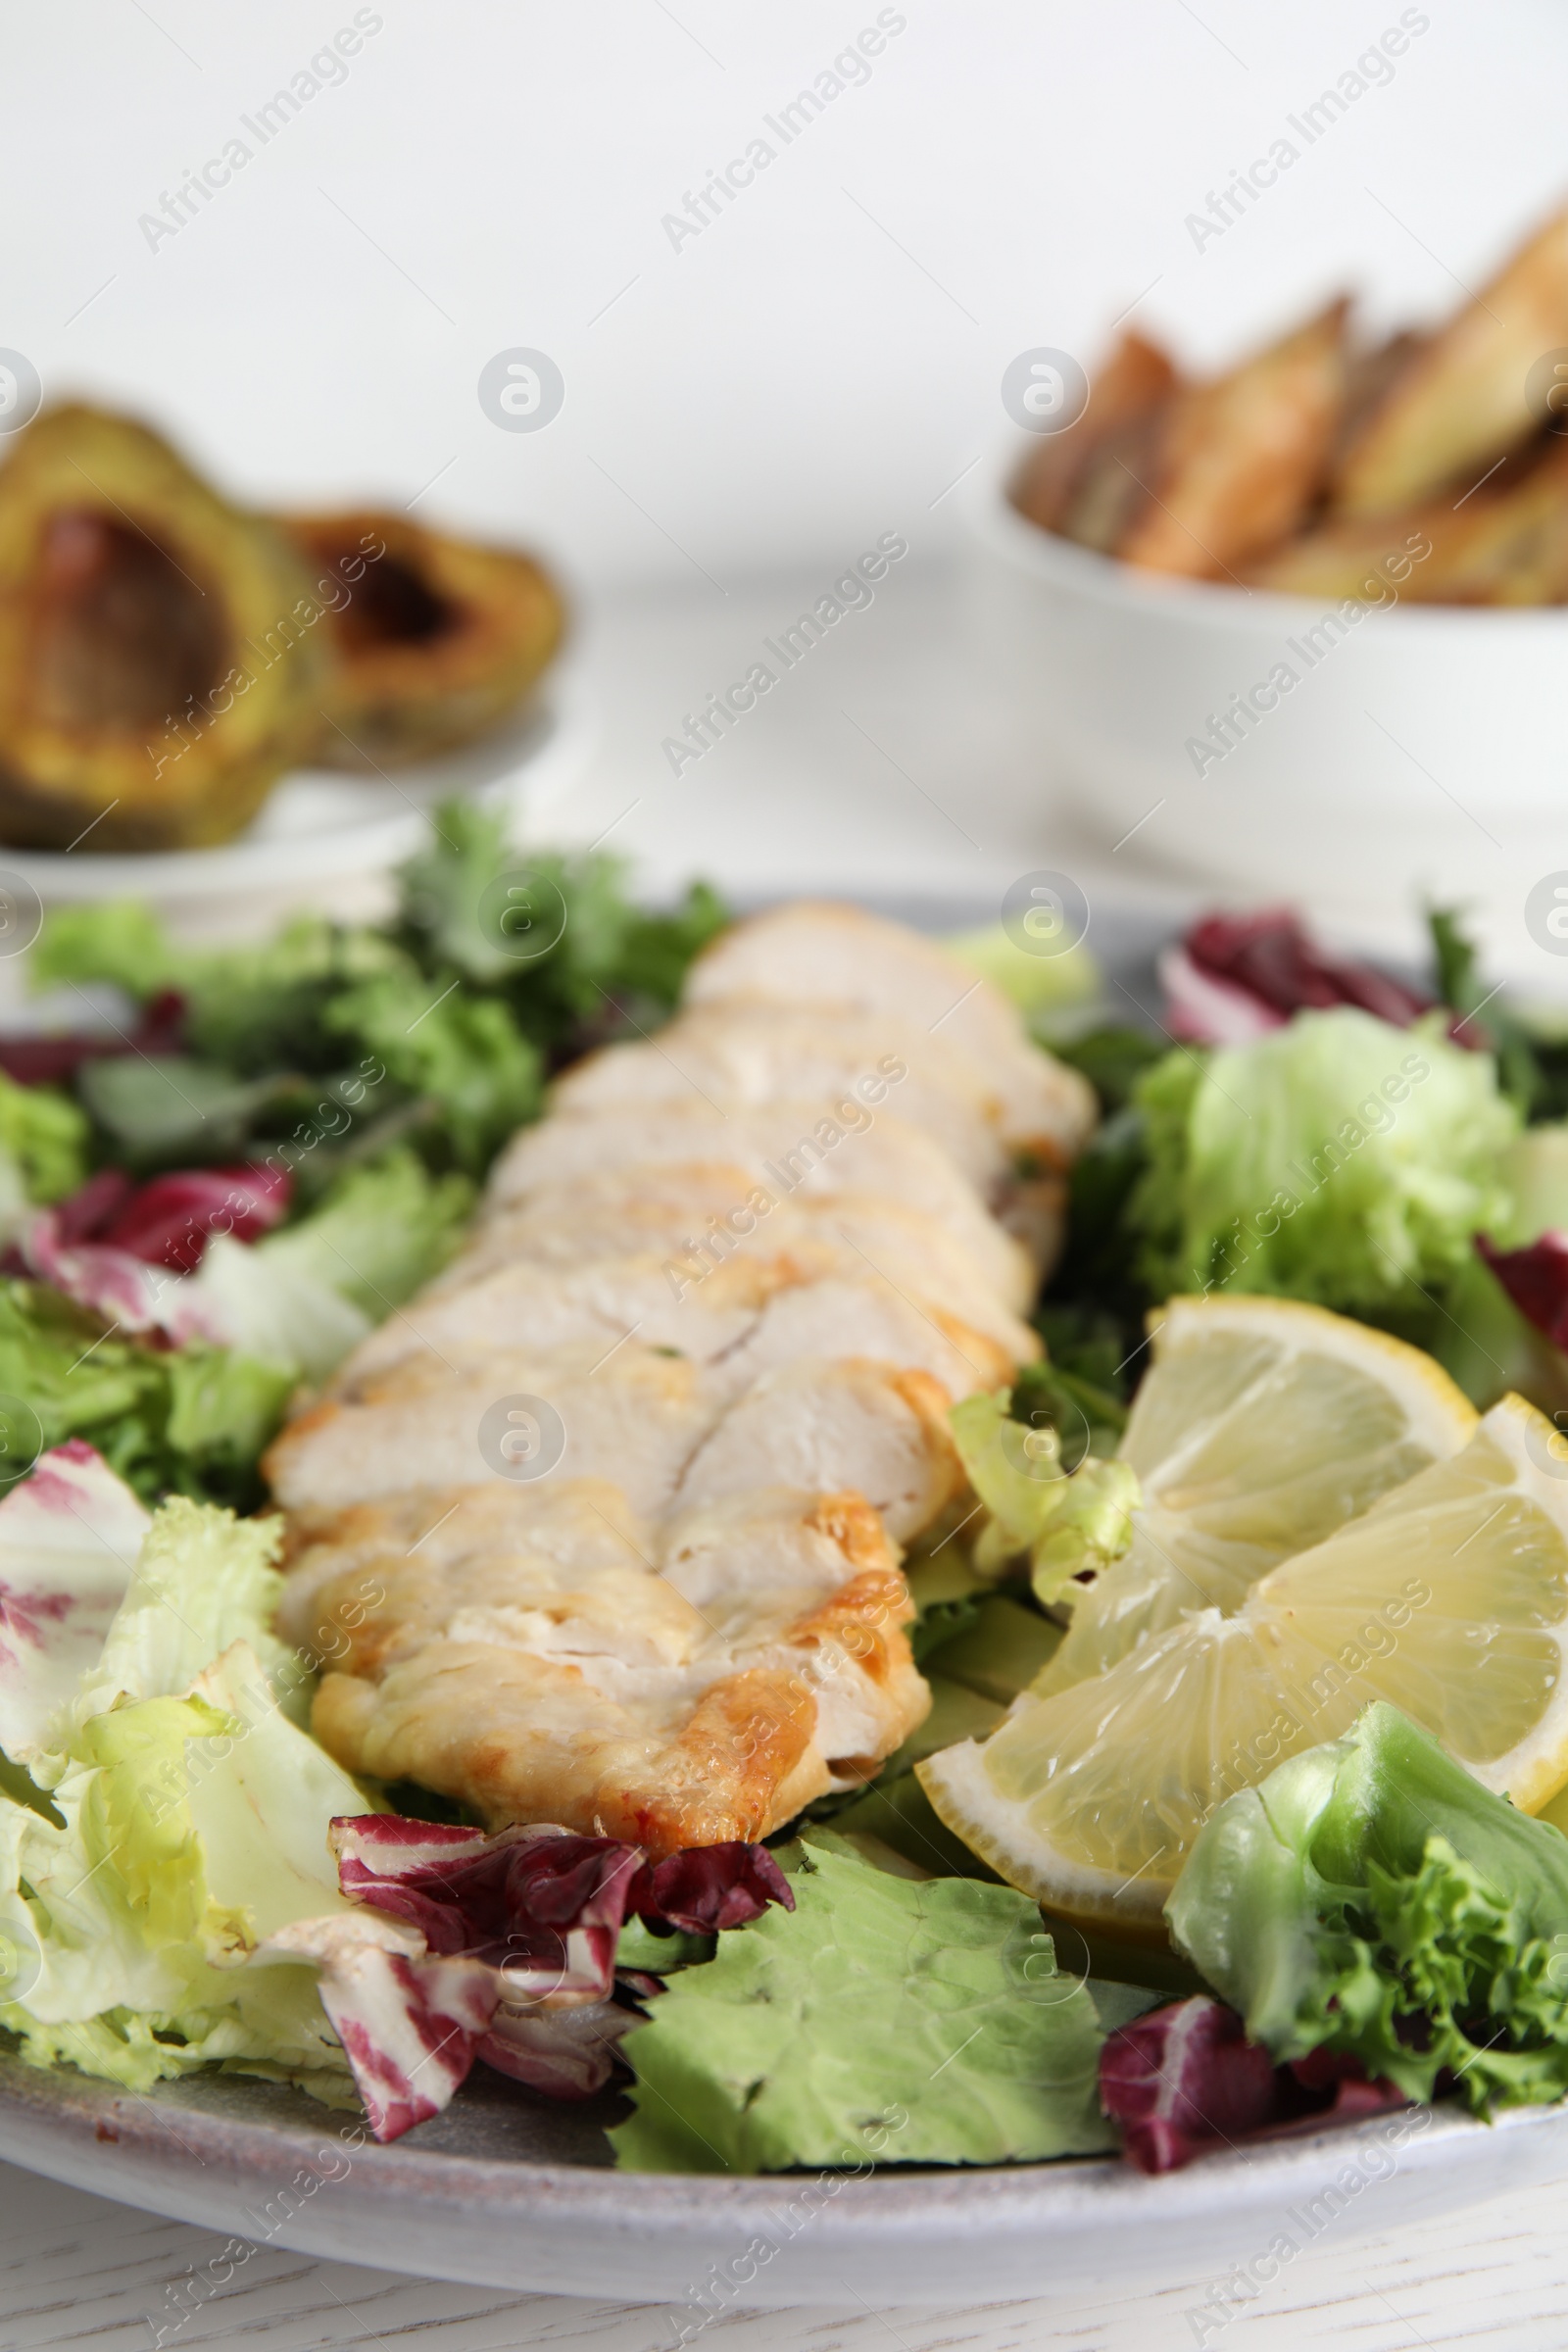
[
  {"x": 1260, "y": 1427},
  {"x": 1449, "y": 1598}
]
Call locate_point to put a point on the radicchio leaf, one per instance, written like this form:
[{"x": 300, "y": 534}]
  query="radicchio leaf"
[
  {"x": 708, "y": 1888},
  {"x": 543, "y": 1903},
  {"x": 169, "y": 1222},
  {"x": 119, "y": 1249},
  {"x": 1183, "y": 2081},
  {"x": 540, "y": 1911},
  {"x": 1536, "y": 1279},
  {"x": 542, "y": 1907},
  {"x": 410, "y": 2024},
  {"x": 565, "y": 2054},
  {"x": 1235, "y": 977},
  {"x": 68, "y": 1538},
  {"x": 128, "y": 1295},
  {"x": 52, "y": 1060}
]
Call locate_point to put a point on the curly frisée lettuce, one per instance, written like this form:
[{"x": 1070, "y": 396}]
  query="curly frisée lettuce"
[
  {"x": 907, "y": 2021},
  {"x": 175, "y": 1818},
  {"x": 1335, "y": 1160},
  {"x": 1370, "y": 1899}
]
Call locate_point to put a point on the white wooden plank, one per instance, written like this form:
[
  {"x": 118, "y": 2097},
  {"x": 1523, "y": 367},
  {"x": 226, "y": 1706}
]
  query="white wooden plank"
[{"x": 75, "y": 2270}]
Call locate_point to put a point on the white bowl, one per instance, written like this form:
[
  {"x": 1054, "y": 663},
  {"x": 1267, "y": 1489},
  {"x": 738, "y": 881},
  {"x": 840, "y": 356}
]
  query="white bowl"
[{"x": 1418, "y": 748}]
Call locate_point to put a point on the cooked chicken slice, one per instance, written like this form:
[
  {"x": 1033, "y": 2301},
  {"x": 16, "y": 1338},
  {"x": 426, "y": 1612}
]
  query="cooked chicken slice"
[
  {"x": 704, "y": 1219},
  {"x": 635, "y": 1419},
  {"x": 787, "y": 1148},
  {"x": 750, "y": 1317},
  {"x": 641, "y": 1419},
  {"x": 872, "y": 1319},
  {"x": 835, "y": 1425},
  {"x": 621, "y": 1705},
  {"x": 764, "y": 1053},
  {"x": 355, "y": 1575},
  {"x": 341, "y": 1562},
  {"x": 776, "y": 1541},
  {"x": 814, "y": 952},
  {"x": 522, "y": 1304}
]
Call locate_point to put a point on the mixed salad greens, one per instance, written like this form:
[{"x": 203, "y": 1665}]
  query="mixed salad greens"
[
  {"x": 246, "y": 1156},
  {"x": 238, "y": 1160}
]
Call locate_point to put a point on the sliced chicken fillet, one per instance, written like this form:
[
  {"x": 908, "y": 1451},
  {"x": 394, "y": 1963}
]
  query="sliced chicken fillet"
[
  {"x": 761, "y": 1052},
  {"x": 618, "y": 1697},
  {"x": 666, "y": 1432},
  {"x": 748, "y": 1318},
  {"x": 788, "y": 1149},
  {"x": 821, "y": 953},
  {"x": 746, "y": 1267}
]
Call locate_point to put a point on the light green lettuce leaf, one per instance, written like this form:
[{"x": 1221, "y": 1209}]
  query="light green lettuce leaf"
[
  {"x": 886, "y": 2018},
  {"x": 202, "y": 1580},
  {"x": 1370, "y": 1897},
  {"x": 304, "y": 1297},
  {"x": 1337, "y": 1160},
  {"x": 1067, "y": 1522},
  {"x": 44, "y": 1138},
  {"x": 186, "y": 1822}
]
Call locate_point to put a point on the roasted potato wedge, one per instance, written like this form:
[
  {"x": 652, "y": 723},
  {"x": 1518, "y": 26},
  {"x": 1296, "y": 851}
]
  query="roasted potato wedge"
[
  {"x": 1128, "y": 388},
  {"x": 435, "y": 640},
  {"x": 1238, "y": 461},
  {"x": 159, "y": 663},
  {"x": 1505, "y": 547},
  {"x": 1461, "y": 403}
]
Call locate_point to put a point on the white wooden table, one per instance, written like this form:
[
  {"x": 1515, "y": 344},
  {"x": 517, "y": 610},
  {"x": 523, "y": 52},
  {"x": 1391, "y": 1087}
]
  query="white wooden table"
[
  {"x": 882, "y": 771},
  {"x": 77, "y": 2271}
]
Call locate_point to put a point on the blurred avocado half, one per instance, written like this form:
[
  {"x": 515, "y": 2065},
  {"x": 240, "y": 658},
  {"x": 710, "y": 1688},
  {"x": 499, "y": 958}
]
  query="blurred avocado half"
[
  {"x": 434, "y": 640},
  {"x": 160, "y": 659}
]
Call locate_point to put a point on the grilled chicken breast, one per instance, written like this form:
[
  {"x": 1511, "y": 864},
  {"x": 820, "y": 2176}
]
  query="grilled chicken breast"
[
  {"x": 831, "y": 957},
  {"x": 788, "y": 1150},
  {"x": 748, "y": 1268}
]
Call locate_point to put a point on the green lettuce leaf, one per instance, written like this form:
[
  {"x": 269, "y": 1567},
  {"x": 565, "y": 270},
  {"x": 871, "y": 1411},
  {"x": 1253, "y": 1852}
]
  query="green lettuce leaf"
[
  {"x": 1337, "y": 1160},
  {"x": 913, "y": 2021},
  {"x": 191, "y": 1421},
  {"x": 1036, "y": 983},
  {"x": 300, "y": 1299},
  {"x": 45, "y": 1138},
  {"x": 1370, "y": 1897},
  {"x": 186, "y": 1821},
  {"x": 597, "y": 944},
  {"x": 255, "y": 1009},
  {"x": 1066, "y": 1521},
  {"x": 203, "y": 1580},
  {"x": 460, "y": 1053}
]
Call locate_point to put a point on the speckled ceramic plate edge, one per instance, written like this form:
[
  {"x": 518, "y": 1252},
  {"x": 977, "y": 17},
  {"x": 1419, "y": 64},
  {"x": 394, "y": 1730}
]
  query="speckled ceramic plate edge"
[{"x": 263, "y": 2166}]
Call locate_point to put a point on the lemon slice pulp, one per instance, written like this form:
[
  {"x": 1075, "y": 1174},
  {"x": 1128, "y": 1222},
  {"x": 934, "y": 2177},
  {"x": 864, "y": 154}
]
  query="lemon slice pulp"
[
  {"x": 1449, "y": 1599},
  {"x": 1262, "y": 1426}
]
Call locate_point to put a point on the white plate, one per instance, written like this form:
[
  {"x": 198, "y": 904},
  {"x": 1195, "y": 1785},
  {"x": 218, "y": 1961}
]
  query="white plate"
[
  {"x": 332, "y": 826},
  {"x": 509, "y": 2189}
]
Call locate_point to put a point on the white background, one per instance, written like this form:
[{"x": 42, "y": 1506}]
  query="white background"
[{"x": 823, "y": 359}]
